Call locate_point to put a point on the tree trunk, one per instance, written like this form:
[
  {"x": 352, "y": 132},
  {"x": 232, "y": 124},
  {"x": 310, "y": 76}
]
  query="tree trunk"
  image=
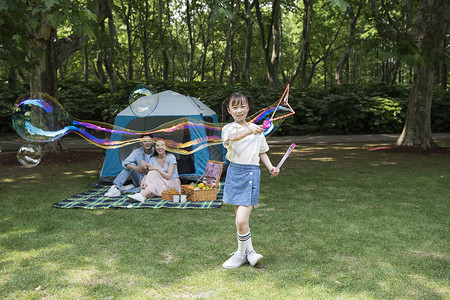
[
  {"x": 206, "y": 41},
  {"x": 12, "y": 79},
  {"x": 144, "y": 40},
  {"x": 109, "y": 51},
  {"x": 213, "y": 54},
  {"x": 100, "y": 71},
  {"x": 351, "y": 35},
  {"x": 127, "y": 20},
  {"x": 230, "y": 37},
  {"x": 232, "y": 56},
  {"x": 103, "y": 12},
  {"x": 429, "y": 32},
  {"x": 248, "y": 42},
  {"x": 271, "y": 59},
  {"x": 191, "y": 42},
  {"x": 417, "y": 130},
  {"x": 43, "y": 77},
  {"x": 162, "y": 39},
  {"x": 444, "y": 73},
  {"x": 272, "y": 76},
  {"x": 304, "y": 49},
  {"x": 86, "y": 62},
  {"x": 172, "y": 50}
]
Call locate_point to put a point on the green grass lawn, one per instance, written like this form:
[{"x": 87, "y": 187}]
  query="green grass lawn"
[{"x": 339, "y": 222}]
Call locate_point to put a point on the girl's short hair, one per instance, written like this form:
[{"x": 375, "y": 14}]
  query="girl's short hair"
[{"x": 235, "y": 98}]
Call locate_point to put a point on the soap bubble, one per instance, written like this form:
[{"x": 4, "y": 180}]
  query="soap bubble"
[
  {"x": 38, "y": 117},
  {"x": 29, "y": 155},
  {"x": 143, "y": 100}
]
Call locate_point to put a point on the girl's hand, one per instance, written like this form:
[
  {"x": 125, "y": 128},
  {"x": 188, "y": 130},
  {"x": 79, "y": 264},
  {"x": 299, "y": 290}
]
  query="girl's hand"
[
  {"x": 274, "y": 172},
  {"x": 259, "y": 129}
]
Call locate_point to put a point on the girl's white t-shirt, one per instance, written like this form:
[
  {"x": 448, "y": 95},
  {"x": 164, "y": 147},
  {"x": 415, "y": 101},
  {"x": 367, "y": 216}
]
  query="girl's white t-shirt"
[{"x": 245, "y": 151}]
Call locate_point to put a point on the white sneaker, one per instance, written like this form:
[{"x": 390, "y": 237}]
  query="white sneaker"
[
  {"x": 113, "y": 192},
  {"x": 253, "y": 258},
  {"x": 235, "y": 261},
  {"x": 126, "y": 188},
  {"x": 137, "y": 197}
]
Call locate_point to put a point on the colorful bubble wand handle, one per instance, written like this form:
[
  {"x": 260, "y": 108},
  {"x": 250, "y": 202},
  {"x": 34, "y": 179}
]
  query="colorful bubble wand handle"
[{"x": 288, "y": 152}]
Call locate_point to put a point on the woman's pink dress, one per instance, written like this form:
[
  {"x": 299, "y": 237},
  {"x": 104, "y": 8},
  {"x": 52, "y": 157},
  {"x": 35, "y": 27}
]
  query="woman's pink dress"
[{"x": 156, "y": 184}]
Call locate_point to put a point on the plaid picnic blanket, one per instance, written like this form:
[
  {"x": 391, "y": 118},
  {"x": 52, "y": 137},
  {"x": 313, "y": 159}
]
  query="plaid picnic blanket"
[{"x": 94, "y": 199}]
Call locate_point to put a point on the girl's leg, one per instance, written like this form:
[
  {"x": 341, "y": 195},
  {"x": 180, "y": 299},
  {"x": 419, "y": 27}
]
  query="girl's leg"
[
  {"x": 242, "y": 220},
  {"x": 242, "y": 226},
  {"x": 244, "y": 235}
]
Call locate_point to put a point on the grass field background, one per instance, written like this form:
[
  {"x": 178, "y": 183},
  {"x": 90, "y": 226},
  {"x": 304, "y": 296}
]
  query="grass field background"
[{"x": 340, "y": 222}]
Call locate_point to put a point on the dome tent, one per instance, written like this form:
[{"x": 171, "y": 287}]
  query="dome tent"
[{"x": 171, "y": 106}]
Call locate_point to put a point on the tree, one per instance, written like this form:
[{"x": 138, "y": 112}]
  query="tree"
[
  {"x": 37, "y": 23},
  {"x": 248, "y": 41},
  {"x": 162, "y": 40},
  {"x": 32, "y": 27},
  {"x": 273, "y": 39},
  {"x": 229, "y": 42},
  {"x": 353, "y": 18},
  {"x": 424, "y": 37},
  {"x": 104, "y": 12},
  {"x": 304, "y": 48},
  {"x": 126, "y": 10}
]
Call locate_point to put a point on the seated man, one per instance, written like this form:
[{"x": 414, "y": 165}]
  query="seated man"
[{"x": 134, "y": 166}]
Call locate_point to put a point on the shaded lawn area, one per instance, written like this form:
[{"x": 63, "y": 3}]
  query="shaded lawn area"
[{"x": 339, "y": 222}]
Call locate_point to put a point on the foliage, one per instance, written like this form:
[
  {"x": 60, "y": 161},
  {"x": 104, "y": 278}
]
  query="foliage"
[
  {"x": 143, "y": 28},
  {"x": 341, "y": 110},
  {"x": 440, "y": 116},
  {"x": 19, "y": 20}
]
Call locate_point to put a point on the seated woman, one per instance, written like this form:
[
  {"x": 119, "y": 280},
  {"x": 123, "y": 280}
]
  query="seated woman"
[{"x": 162, "y": 174}]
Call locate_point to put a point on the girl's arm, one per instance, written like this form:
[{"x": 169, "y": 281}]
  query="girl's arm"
[
  {"x": 266, "y": 161},
  {"x": 243, "y": 133}
]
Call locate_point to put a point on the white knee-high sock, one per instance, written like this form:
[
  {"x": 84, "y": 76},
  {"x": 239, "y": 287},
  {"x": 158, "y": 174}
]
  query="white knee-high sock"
[
  {"x": 243, "y": 242},
  {"x": 249, "y": 242}
]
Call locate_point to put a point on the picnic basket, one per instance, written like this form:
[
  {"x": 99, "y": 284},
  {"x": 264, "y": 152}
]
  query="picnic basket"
[
  {"x": 200, "y": 195},
  {"x": 210, "y": 179}
]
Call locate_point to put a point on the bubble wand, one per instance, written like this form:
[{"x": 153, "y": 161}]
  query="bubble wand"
[
  {"x": 284, "y": 157},
  {"x": 267, "y": 123}
]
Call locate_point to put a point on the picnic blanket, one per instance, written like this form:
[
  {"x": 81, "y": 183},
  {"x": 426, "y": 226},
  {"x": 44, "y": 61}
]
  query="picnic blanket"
[{"x": 95, "y": 199}]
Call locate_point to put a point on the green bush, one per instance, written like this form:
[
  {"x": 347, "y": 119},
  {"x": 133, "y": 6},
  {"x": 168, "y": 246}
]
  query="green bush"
[
  {"x": 340, "y": 110},
  {"x": 440, "y": 111}
]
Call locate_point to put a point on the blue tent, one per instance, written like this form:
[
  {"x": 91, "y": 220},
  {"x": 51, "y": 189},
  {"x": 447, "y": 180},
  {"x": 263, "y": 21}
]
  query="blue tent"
[{"x": 171, "y": 106}]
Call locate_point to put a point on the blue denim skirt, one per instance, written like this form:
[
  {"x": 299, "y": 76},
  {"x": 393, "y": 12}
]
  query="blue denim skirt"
[{"x": 242, "y": 185}]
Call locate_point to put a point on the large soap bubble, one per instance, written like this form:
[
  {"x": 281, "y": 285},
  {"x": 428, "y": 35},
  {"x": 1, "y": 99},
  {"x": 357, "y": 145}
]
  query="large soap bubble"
[
  {"x": 143, "y": 100},
  {"x": 38, "y": 117},
  {"x": 29, "y": 155}
]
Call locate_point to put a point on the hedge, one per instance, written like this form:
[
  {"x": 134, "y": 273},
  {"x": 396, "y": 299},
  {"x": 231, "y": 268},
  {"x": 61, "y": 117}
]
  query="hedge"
[{"x": 341, "y": 110}]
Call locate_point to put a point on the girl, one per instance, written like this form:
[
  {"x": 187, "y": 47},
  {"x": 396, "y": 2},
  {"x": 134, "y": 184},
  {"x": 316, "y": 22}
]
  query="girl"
[
  {"x": 246, "y": 146},
  {"x": 162, "y": 174}
]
